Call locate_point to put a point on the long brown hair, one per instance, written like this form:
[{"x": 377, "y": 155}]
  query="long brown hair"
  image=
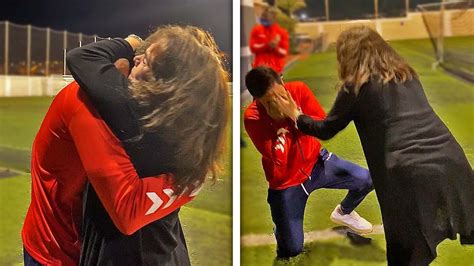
[
  {"x": 362, "y": 53},
  {"x": 187, "y": 99}
]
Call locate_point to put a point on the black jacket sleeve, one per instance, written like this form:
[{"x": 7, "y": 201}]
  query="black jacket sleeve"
[
  {"x": 338, "y": 118},
  {"x": 92, "y": 66}
]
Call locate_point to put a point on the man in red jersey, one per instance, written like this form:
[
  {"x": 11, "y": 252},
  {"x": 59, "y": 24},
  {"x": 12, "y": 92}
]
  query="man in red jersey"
[
  {"x": 269, "y": 42},
  {"x": 294, "y": 163},
  {"x": 75, "y": 146}
]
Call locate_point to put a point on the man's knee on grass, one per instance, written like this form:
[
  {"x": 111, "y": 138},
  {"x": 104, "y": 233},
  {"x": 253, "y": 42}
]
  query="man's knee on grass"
[{"x": 289, "y": 249}]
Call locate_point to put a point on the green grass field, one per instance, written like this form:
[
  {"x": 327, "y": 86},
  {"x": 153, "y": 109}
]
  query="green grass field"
[
  {"x": 207, "y": 220},
  {"x": 453, "y": 101}
]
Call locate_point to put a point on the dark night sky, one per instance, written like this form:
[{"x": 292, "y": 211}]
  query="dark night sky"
[{"x": 118, "y": 18}]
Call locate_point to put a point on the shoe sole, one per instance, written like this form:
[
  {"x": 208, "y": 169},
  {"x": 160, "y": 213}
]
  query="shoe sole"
[{"x": 352, "y": 228}]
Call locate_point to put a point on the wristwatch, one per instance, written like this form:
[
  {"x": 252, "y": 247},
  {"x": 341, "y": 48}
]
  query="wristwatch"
[
  {"x": 136, "y": 37},
  {"x": 299, "y": 112}
]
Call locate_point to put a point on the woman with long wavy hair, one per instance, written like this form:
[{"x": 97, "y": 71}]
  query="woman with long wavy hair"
[
  {"x": 177, "y": 100},
  {"x": 423, "y": 180},
  {"x": 133, "y": 148}
]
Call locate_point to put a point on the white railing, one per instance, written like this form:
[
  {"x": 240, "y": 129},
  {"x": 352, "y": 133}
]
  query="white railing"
[
  {"x": 33, "y": 51},
  {"x": 26, "y": 86},
  {"x": 23, "y": 86}
]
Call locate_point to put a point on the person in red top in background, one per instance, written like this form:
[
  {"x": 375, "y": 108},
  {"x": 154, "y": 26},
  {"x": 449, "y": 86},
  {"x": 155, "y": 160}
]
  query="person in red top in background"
[
  {"x": 269, "y": 42},
  {"x": 294, "y": 163}
]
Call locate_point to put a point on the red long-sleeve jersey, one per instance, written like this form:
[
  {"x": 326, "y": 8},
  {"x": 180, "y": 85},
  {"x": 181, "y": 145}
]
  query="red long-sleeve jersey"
[
  {"x": 73, "y": 146},
  {"x": 265, "y": 55},
  {"x": 288, "y": 155}
]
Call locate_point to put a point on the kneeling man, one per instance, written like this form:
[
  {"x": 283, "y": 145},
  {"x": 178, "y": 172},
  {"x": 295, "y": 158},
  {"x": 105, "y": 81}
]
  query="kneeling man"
[{"x": 294, "y": 163}]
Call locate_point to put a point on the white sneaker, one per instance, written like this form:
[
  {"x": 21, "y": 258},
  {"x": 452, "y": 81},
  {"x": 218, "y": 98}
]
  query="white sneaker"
[{"x": 351, "y": 220}]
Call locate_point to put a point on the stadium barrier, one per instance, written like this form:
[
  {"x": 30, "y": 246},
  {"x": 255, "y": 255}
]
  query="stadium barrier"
[
  {"x": 26, "y": 86},
  {"x": 403, "y": 28},
  {"x": 21, "y": 86}
]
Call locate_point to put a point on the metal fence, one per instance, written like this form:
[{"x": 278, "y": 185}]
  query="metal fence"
[{"x": 33, "y": 51}]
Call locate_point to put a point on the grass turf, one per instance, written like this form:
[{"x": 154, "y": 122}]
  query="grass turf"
[
  {"x": 339, "y": 252},
  {"x": 451, "y": 98},
  {"x": 206, "y": 220}
]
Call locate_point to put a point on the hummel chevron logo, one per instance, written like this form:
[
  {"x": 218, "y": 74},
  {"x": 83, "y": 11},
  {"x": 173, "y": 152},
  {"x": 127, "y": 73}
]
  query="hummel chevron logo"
[
  {"x": 172, "y": 197},
  {"x": 157, "y": 201},
  {"x": 281, "y": 133}
]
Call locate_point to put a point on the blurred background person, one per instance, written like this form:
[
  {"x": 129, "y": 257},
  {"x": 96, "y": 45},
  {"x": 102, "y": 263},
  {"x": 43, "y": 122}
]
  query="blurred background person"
[{"x": 269, "y": 42}]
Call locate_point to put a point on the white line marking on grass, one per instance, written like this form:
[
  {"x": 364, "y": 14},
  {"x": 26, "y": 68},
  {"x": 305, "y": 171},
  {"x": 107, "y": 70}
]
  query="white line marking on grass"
[
  {"x": 19, "y": 172},
  {"x": 11, "y": 147},
  {"x": 253, "y": 240}
]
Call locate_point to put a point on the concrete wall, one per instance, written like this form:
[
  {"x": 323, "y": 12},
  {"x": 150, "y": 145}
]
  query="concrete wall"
[
  {"x": 457, "y": 23},
  {"x": 19, "y": 86},
  {"x": 24, "y": 86}
]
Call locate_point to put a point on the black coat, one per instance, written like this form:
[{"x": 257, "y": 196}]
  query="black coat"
[
  {"x": 161, "y": 242},
  {"x": 423, "y": 180}
]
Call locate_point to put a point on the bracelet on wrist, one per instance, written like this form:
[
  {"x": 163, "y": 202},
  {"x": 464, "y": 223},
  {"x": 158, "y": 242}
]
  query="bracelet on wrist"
[
  {"x": 136, "y": 37},
  {"x": 298, "y": 113}
]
